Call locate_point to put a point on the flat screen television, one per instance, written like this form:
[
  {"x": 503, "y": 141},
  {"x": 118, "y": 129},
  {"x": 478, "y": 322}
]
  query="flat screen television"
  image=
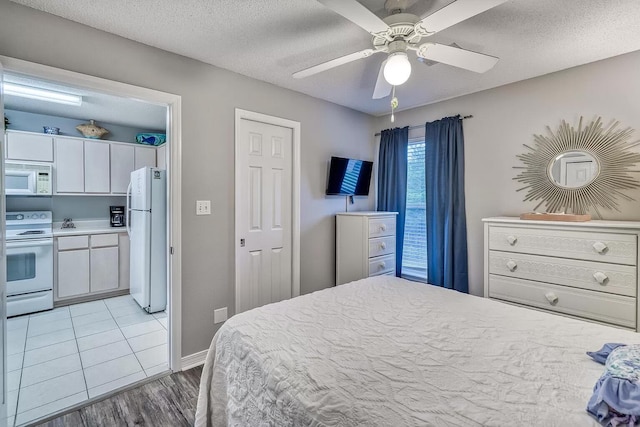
[{"x": 349, "y": 177}]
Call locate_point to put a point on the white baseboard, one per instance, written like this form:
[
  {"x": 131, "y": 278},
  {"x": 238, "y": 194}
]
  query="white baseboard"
[{"x": 193, "y": 360}]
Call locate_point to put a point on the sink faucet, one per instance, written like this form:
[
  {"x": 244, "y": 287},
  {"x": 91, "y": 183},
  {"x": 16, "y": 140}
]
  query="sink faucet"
[{"x": 68, "y": 223}]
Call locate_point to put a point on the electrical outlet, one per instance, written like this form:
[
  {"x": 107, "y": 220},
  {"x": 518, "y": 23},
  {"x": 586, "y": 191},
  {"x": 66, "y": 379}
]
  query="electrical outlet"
[
  {"x": 220, "y": 315},
  {"x": 203, "y": 207}
]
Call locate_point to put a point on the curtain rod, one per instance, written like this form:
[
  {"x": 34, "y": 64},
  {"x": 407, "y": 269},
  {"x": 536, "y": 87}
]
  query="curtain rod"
[{"x": 470, "y": 116}]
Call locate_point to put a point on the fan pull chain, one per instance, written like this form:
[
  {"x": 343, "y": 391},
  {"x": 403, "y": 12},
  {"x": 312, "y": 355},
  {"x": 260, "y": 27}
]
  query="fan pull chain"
[{"x": 394, "y": 104}]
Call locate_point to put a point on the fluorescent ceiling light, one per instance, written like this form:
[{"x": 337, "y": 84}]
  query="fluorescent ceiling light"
[{"x": 41, "y": 94}]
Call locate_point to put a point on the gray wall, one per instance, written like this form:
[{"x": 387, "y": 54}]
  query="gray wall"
[
  {"x": 209, "y": 96},
  {"x": 31, "y": 122},
  {"x": 508, "y": 116}
]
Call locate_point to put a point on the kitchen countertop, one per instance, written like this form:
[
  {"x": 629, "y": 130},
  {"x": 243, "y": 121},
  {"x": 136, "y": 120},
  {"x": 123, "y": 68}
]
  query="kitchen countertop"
[{"x": 86, "y": 227}]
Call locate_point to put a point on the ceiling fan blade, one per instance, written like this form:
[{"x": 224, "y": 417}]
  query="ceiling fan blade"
[
  {"x": 358, "y": 14},
  {"x": 333, "y": 63},
  {"x": 457, "y": 57},
  {"x": 456, "y": 12},
  {"x": 383, "y": 88}
]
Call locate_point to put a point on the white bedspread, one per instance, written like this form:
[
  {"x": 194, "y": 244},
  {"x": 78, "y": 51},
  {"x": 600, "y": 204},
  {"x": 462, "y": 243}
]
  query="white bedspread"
[{"x": 388, "y": 352}]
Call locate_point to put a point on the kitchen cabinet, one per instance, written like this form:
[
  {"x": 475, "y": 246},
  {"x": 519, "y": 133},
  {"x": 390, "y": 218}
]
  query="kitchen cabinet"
[
  {"x": 73, "y": 273},
  {"x": 91, "y": 265},
  {"x": 69, "y": 167},
  {"x": 145, "y": 156},
  {"x": 122, "y": 164},
  {"x": 97, "y": 177},
  {"x": 29, "y": 146},
  {"x": 161, "y": 156}
]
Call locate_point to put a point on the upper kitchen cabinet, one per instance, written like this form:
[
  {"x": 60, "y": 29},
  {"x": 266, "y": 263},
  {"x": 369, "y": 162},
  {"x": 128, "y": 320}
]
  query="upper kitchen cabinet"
[
  {"x": 161, "y": 154},
  {"x": 29, "y": 146},
  {"x": 122, "y": 164},
  {"x": 69, "y": 165},
  {"x": 97, "y": 167},
  {"x": 145, "y": 156}
]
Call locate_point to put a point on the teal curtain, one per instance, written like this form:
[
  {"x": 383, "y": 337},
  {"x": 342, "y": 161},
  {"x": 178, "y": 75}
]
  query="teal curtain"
[
  {"x": 392, "y": 181},
  {"x": 446, "y": 217}
]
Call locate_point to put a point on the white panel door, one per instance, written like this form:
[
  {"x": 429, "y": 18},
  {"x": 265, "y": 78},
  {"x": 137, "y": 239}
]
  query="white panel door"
[
  {"x": 97, "y": 174},
  {"x": 122, "y": 165},
  {"x": 69, "y": 165},
  {"x": 145, "y": 157},
  {"x": 264, "y": 162},
  {"x": 3, "y": 277}
]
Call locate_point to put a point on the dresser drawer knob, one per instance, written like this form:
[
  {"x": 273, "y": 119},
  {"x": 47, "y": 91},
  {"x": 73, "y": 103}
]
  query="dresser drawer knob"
[
  {"x": 512, "y": 265},
  {"x": 600, "y": 247},
  {"x": 383, "y": 227},
  {"x": 601, "y": 277},
  {"x": 383, "y": 246},
  {"x": 552, "y": 298},
  {"x": 382, "y": 265},
  {"x": 512, "y": 240}
]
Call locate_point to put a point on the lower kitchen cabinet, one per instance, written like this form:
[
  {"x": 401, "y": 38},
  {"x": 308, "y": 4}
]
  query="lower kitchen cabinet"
[
  {"x": 91, "y": 265},
  {"x": 73, "y": 273}
]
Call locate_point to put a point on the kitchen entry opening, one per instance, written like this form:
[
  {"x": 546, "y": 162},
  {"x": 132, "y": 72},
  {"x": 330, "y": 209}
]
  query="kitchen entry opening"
[
  {"x": 89, "y": 284},
  {"x": 414, "y": 258}
]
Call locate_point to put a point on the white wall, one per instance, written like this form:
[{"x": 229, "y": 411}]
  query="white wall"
[
  {"x": 209, "y": 97},
  {"x": 505, "y": 118}
]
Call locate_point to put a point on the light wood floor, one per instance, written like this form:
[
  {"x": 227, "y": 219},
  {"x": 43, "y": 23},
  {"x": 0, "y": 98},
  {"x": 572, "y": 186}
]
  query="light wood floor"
[{"x": 169, "y": 401}]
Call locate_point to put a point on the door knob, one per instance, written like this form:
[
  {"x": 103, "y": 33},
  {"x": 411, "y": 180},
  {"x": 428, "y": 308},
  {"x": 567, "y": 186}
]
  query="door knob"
[
  {"x": 601, "y": 277},
  {"x": 600, "y": 247},
  {"x": 512, "y": 265},
  {"x": 512, "y": 240},
  {"x": 552, "y": 298}
]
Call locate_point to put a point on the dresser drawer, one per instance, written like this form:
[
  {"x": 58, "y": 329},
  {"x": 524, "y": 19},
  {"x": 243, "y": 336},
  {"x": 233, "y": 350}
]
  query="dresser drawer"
[
  {"x": 385, "y": 226},
  {"x": 382, "y": 265},
  {"x": 382, "y": 246},
  {"x": 596, "y": 276},
  {"x": 585, "y": 245},
  {"x": 607, "y": 308}
]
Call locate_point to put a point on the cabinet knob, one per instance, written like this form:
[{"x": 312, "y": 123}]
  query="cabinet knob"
[
  {"x": 601, "y": 277},
  {"x": 552, "y": 298},
  {"x": 512, "y": 265},
  {"x": 383, "y": 227},
  {"x": 381, "y": 265},
  {"x": 383, "y": 245},
  {"x": 512, "y": 240},
  {"x": 600, "y": 247}
]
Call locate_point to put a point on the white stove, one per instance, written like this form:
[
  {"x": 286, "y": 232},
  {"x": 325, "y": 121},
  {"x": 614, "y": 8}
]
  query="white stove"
[{"x": 29, "y": 262}]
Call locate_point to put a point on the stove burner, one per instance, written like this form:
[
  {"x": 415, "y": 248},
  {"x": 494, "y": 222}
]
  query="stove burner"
[{"x": 27, "y": 233}]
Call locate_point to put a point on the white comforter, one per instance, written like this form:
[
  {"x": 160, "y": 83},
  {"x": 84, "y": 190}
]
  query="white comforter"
[{"x": 388, "y": 352}]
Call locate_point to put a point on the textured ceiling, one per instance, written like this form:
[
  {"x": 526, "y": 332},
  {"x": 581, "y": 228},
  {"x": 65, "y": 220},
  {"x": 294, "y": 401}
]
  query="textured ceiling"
[
  {"x": 271, "y": 39},
  {"x": 98, "y": 106}
]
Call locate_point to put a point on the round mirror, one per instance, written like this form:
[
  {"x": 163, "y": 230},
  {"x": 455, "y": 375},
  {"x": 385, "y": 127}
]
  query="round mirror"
[{"x": 573, "y": 169}]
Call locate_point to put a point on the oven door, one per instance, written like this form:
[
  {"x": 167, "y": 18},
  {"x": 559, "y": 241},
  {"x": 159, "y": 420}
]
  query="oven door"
[
  {"x": 20, "y": 182},
  {"x": 29, "y": 266}
]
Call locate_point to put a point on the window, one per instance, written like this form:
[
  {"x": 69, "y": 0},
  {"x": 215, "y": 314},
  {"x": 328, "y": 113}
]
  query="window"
[{"x": 414, "y": 258}]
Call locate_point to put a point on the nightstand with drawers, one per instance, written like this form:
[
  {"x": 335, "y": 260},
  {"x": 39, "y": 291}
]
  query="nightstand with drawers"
[
  {"x": 365, "y": 245},
  {"x": 587, "y": 270}
]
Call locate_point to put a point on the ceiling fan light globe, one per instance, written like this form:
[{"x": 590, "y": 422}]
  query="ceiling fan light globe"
[{"x": 397, "y": 69}]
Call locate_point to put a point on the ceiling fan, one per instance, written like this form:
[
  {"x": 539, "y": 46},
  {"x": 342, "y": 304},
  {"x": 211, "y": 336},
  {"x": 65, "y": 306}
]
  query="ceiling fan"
[{"x": 401, "y": 32}]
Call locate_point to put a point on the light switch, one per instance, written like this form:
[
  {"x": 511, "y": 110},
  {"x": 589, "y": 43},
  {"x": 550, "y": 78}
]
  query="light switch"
[{"x": 203, "y": 207}]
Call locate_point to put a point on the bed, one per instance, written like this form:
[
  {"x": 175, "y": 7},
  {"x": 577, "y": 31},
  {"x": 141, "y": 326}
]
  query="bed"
[{"x": 385, "y": 351}]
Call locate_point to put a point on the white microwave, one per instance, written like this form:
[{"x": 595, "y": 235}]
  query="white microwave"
[{"x": 27, "y": 179}]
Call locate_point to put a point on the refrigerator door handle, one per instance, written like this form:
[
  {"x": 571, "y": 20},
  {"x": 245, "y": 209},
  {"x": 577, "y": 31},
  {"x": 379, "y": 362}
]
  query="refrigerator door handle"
[{"x": 128, "y": 214}]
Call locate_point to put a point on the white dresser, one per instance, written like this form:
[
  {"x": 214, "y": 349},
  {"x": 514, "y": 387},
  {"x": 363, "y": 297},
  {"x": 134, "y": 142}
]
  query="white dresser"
[
  {"x": 365, "y": 245},
  {"x": 587, "y": 270}
]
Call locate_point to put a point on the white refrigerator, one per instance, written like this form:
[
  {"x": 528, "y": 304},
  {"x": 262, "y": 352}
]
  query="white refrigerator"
[{"x": 147, "y": 229}]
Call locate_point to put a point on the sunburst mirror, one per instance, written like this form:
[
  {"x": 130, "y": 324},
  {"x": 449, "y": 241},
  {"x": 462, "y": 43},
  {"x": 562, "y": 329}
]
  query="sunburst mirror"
[{"x": 575, "y": 170}]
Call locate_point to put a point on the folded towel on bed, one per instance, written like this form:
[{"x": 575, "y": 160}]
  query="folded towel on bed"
[{"x": 616, "y": 395}]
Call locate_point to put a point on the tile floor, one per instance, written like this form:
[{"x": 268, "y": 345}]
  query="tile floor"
[{"x": 59, "y": 358}]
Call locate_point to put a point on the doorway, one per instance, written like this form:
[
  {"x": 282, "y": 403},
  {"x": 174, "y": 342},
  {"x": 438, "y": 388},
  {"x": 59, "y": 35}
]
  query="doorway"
[
  {"x": 126, "y": 339},
  {"x": 267, "y": 206}
]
